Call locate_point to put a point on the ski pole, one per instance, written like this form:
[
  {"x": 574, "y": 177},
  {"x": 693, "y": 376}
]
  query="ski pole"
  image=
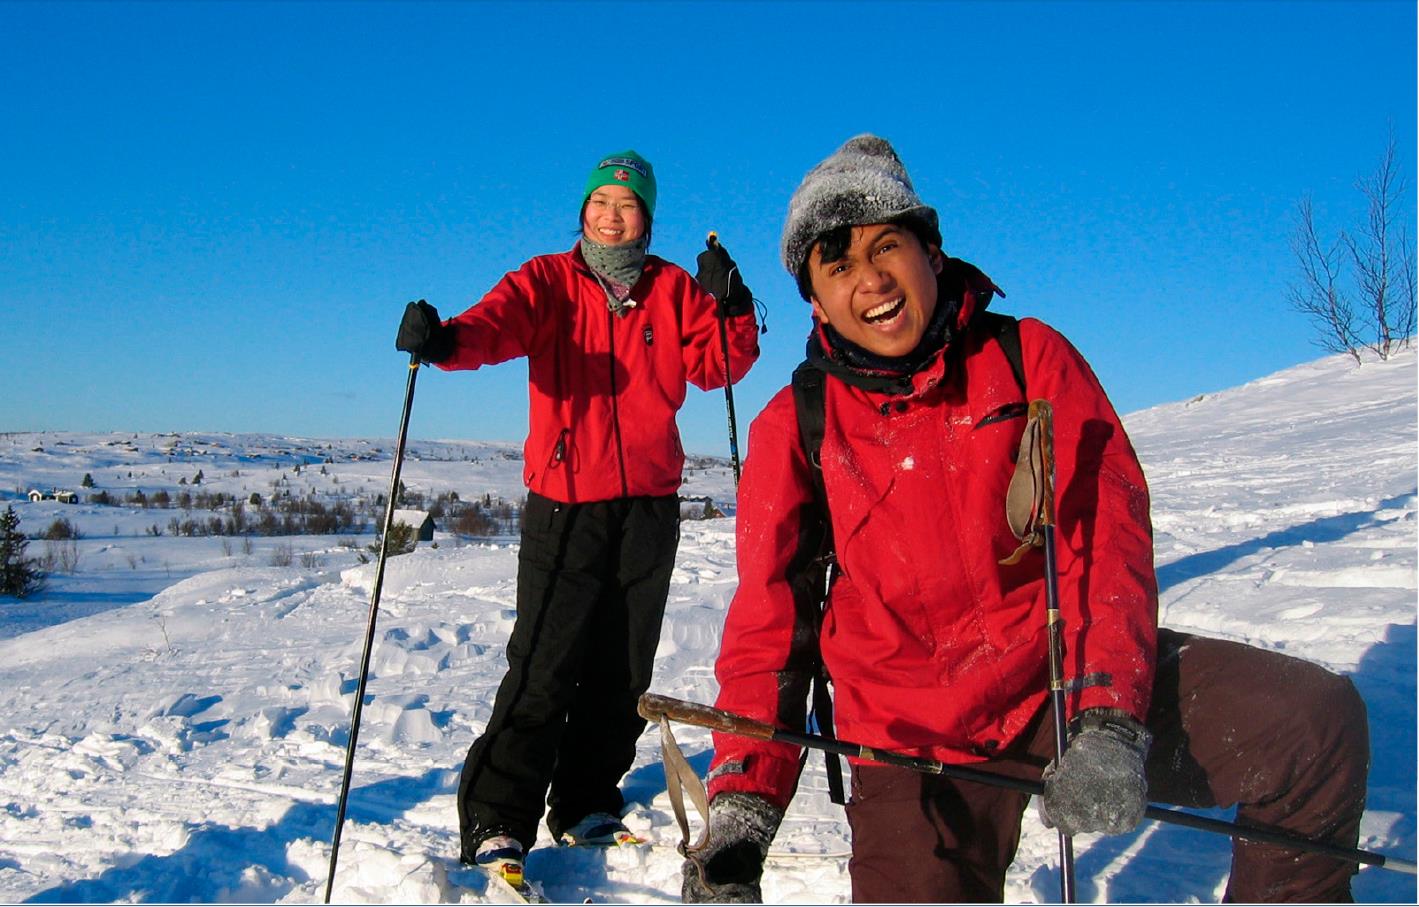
[
  {"x": 712, "y": 242},
  {"x": 369, "y": 631},
  {"x": 652, "y": 706},
  {"x": 1041, "y": 413}
]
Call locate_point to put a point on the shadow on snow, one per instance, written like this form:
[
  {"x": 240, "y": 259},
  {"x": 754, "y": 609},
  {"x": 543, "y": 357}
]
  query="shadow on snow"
[
  {"x": 1324, "y": 529},
  {"x": 219, "y": 863}
]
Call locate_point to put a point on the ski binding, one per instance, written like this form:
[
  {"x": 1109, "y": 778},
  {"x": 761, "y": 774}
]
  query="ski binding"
[{"x": 509, "y": 878}]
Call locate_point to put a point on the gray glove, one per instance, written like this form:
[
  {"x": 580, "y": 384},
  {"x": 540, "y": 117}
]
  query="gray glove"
[
  {"x": 727, "y": 868},
  {"x": 1099, "y": 784}
]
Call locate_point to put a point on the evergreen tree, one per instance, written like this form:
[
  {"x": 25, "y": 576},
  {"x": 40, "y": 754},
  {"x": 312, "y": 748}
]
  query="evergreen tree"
[
  {"x": 19, "y": 575},
  {"x": 403, "y": 538}
]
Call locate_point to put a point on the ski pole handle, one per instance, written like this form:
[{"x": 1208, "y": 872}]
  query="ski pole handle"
[
  {"x": 652, "y": 706},
  {"x": 1044, "y": 413}
]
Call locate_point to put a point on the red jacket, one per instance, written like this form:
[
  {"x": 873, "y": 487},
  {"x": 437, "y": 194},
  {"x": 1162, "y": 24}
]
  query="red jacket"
[
  {"x": 935, "y": 649},
  {"x": 604, "y": 389}
]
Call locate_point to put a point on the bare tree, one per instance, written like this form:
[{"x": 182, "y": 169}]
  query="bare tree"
[
  {"x": 1382, "y": 316},
  {"x": 1317, "y": 294},
  {"x": 1406, "y": 286},
  {"x": 1382, "y": 256}
]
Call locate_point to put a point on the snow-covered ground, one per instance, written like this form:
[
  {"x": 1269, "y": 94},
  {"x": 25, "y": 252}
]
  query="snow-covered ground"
[{"x": 173, "y": 714}]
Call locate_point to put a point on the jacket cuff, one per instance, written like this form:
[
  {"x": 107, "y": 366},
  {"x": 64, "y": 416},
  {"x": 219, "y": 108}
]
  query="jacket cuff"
[{"x": 766, "y": 776}]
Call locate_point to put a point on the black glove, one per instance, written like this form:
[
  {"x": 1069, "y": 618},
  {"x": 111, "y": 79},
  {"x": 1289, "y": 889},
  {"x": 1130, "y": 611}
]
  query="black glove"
[
  {"x": 423, "y": 334},
  {"x": 727, "y": 868},
  {"x": 719, "y": 275},
  {"x": 1099, "y": 784}
]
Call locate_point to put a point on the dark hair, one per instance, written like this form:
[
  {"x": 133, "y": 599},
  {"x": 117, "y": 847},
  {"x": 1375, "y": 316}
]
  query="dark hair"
[{"x": 833, "y": 245}]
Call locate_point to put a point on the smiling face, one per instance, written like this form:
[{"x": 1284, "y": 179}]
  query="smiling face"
[
  {"x": 613, "y": 215},
  {"x": 881, "y": 293}
]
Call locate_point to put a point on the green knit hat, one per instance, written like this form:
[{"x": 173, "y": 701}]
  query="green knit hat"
[{"x": 624, "y": 168}]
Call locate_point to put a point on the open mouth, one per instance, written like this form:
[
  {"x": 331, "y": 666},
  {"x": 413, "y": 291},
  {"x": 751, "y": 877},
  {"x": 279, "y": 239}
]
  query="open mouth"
[{"x": 884, "y": 312}]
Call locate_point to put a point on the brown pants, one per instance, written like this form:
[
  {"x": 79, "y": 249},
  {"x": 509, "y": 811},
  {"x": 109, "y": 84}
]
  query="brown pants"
[{"x": 1284, "y": 740}]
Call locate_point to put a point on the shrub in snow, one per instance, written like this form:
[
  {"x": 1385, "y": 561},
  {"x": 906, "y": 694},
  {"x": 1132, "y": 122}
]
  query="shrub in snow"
[{"x": 61, "y": 529}]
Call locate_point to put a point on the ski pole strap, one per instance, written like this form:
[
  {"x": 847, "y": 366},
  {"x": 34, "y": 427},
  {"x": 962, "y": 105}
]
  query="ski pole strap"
[
  {"x": 1029, "y": 501},
  {"x": 680, "y": 778}
]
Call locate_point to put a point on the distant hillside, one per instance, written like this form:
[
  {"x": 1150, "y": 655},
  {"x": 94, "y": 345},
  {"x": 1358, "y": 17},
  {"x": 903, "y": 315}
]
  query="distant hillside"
[{"x": 240, "y": 464}]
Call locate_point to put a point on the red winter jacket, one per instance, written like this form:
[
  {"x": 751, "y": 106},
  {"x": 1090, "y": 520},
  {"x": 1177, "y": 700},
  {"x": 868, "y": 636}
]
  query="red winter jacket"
[
  {"x": 934, "y": 648},
  {"x": 604, "y": 389}
]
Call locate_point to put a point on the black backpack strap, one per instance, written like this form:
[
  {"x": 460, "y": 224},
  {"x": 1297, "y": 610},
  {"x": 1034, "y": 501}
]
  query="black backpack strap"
[
  {"x": 809, "y": 406},
  {"x": 1006, "y": 331},
  {"x": 823, "y": 717}
]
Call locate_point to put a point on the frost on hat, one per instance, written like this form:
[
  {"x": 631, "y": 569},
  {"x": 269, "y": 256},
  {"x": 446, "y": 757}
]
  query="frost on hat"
[
  {"x": 863, "y": 182},
  {"x": 624, "y": 168}
]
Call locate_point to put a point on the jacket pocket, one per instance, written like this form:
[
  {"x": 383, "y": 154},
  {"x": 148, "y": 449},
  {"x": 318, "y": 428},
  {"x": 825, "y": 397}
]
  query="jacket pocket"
[
  {"x": 1003, "y": 414},
  {"x": 543, "y": 523}
]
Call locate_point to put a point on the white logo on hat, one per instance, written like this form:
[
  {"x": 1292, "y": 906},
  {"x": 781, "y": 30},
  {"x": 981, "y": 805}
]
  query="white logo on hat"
[{"x": 632, "y": 163}]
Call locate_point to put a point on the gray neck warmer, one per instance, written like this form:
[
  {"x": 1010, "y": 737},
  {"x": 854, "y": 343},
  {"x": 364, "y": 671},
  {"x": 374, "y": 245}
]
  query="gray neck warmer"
[{"x": 617, "y": 267}]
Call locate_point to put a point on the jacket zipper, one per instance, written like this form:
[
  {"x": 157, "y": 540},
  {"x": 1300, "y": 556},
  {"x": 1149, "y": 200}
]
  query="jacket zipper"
[{"x": 615, "y": 403}]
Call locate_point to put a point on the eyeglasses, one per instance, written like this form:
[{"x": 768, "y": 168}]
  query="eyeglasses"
[{"x": 620, "y": 207}]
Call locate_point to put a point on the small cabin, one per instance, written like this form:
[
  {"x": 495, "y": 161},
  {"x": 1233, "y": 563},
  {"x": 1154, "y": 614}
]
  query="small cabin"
[
  {"x": 63, "y": 497},
  {"x": 419, "y": 521}
]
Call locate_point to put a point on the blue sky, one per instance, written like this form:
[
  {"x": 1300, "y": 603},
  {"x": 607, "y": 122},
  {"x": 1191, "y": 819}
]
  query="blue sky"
[{"x": 212, "y": 214}]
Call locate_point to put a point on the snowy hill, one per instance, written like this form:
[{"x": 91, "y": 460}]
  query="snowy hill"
[{"x": 174, "y": 714}]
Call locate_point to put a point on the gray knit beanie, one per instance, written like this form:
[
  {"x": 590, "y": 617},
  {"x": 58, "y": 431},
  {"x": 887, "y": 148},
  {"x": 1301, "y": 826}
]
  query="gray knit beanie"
[{"x": 863, "y": 182}]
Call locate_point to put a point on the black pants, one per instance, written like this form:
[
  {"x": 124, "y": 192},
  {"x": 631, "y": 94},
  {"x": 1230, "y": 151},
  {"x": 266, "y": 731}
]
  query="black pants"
[
  {"x": 592, "y": 581},
  {"x": 1284, "y": 740}
]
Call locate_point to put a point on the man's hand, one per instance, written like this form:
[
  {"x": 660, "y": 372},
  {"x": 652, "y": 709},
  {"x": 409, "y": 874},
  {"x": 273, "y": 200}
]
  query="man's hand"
[
  {"x": 1099, "y": 784},
  {"x": 727, "y": 868}
]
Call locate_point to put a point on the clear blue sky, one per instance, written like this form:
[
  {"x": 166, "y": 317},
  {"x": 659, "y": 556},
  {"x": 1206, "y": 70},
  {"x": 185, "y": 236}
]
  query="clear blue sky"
[{"x": 212, "y": 214}]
